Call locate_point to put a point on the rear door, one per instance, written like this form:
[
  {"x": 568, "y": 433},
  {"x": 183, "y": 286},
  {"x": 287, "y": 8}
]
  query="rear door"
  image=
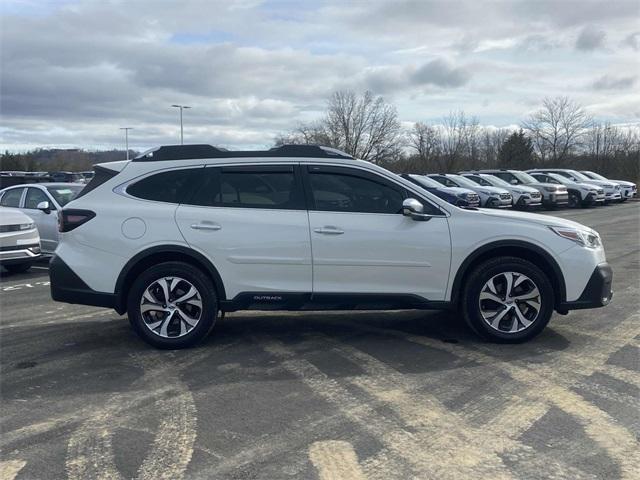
[
  {"x": 361, "y": 242},
  {"x": 251, "y": 222}
]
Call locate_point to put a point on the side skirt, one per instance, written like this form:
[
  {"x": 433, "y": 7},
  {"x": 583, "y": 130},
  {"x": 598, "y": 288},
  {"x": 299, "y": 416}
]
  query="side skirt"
[{"x": 296, "y": 301}]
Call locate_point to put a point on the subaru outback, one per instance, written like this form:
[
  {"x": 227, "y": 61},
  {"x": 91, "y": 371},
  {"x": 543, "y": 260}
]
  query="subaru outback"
[{"x": 182, "y": 233}]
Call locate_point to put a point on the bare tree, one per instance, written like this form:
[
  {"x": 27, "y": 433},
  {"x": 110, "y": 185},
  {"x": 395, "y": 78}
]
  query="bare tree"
[
  {"x": 602, "y": 142},
  {"x": 557, "y": 128},
  {"x": 425, "y": 139}
]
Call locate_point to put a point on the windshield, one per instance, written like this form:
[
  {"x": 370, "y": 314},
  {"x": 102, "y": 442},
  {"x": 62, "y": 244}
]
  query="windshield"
[
  {"x": 479, "y": 181},
  {"x": 579, "y": 176},
  {"x": 497, "y": 181},
  {"x": 524, "y": 177},
  {"x": 426, "y": 181},
  {"x": 561, "y": 179},
  {"x": 462, "y": 181},
  {"x": 64, "y": 194},
  {"x": 595, "y": 176}
]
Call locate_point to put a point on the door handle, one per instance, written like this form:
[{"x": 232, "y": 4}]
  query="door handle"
[
  {"x": 329, "y": 230},
  {"x": 205, "y": 226}
]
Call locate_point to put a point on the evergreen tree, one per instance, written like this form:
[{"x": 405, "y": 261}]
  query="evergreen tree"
[{"x": 516, "y": 152}]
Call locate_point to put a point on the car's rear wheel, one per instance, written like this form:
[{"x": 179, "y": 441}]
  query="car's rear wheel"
[
  {"x": 507, "y": 300},
  {"x": 172, "y": 305},
  {"x": 18, "y": 267}
]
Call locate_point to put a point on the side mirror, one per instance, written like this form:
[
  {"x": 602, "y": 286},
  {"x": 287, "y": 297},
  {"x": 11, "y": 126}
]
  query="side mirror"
[
  {"x": 45, "y": 207},
  {"x": 414, "y": 209},
  {"x": 514, "y": 182}
]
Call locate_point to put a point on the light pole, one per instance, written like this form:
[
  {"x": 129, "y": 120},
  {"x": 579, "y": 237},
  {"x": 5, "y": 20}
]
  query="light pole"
[
  {"x": 126, "y": 138},
  {"x": 181, "y": 107}
]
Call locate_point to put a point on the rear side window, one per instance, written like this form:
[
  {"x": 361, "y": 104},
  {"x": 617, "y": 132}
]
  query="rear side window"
[
  {"x": 11, "y": 198},
  {"x": 171, "y": 186},
  {"x": 100, "y": 176},
  {"x": 272, "y": 187}
]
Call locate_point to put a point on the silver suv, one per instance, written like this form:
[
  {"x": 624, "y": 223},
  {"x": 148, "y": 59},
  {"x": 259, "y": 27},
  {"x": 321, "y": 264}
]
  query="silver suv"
[{"x": 553, "y": 196}]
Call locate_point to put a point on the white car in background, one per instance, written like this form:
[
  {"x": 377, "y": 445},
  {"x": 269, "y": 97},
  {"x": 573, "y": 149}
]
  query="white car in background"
[
  {"x": 612, "y": 190},
  {"x": 580, "y": 194},
  {"x": 523, "y": 196},
  {"x": 629, "y": 189},
  {"x": 19, "y": 241},
  {"x": 41, "y": 202}
]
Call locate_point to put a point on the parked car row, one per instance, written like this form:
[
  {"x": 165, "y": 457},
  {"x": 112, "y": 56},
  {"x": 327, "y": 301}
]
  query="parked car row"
[
  {"x": 39, "y": 204},
  {"x": 501, "y": 188}
]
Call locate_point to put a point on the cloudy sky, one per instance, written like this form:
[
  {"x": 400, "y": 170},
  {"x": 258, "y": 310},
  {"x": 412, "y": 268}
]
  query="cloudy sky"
[{"x": 73, "y": 72}]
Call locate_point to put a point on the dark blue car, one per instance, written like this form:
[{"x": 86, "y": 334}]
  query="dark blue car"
[{"x": 460, "y": 197}]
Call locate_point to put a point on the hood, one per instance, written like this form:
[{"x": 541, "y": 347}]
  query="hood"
[
  {"x": 457, "y": 191},
  {"x": 491, "y": 190},
  {"x": 601, "y": 183},
  {"x": 624, "y": 183},
  {"x": 533, "y": 217},
  {"x": 529, "y": 188},
  {"x": 12, "y": 216}
]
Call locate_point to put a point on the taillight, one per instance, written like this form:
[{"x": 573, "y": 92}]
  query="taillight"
[{"x": 70, "y": 219}]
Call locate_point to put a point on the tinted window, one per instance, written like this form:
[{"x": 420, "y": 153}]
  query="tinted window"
[
  {"x": 65, "y": 194},
  {"x": 445, "y": 181},
  {"x": 170, "y": 186},
  {"x": 337, "y": 192},
  {"x": 250, "y": 187},
  {"x": 504, "y": 176},
  {"x": 34, "y": 197},
  {"x": 11, "y": 198}
]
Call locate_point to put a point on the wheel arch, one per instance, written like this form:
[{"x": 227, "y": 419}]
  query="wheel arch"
[
  {"x": 512, "y": 248},
  {"x": 163, "y": 253}
]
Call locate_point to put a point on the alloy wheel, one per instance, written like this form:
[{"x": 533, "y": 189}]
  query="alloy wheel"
[
  {"x": 171, "y": 307},
  {"x": 509, "y": 302}
]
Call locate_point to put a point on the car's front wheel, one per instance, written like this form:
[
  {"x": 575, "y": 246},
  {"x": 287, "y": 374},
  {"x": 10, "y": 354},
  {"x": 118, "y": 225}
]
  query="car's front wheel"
[
  {"x": 172, "y": 305},
  {"x": 18, "y": 267},
  {"x": 507, "y": 300}
]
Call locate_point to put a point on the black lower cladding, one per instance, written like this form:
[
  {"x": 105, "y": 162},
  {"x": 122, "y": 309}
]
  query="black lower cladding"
[
  {"x": 68, "y": 287},
  {"x": 597, "y": 292}
]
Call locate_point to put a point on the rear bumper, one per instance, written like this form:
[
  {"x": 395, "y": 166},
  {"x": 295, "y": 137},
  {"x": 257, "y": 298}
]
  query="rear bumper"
[
  {"x": 68, "y": 287},
  {"x": 597, "y": 293},
  {"x": 556, "y": 199}
]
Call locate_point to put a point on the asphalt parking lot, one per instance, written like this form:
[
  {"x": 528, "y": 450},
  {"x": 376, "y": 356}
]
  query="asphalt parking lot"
[{"x": 363, "y": 395}]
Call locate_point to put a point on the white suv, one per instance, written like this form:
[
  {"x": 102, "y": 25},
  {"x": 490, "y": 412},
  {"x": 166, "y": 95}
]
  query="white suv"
[{"x": 182, "y": 233}]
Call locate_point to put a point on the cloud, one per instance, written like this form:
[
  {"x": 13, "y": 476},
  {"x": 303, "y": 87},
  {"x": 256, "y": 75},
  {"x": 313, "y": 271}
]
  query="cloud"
[
  {"x": 633, "y": 41},
  {"x": 440, "y": 73},
  {"x": 614, "y": 83},
  {"x": 590, "y": 38}
]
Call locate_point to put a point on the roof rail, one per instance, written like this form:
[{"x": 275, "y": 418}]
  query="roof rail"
[{"x": 184, "y": 152}]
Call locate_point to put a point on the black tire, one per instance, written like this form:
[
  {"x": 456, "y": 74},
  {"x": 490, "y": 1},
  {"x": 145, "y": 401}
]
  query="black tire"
[
  {"x": 207, "y": 313},
  {"x": 487, "y": 270},
  {"x": 18, "y": 267},
  {"x": 575, "y": 201}
]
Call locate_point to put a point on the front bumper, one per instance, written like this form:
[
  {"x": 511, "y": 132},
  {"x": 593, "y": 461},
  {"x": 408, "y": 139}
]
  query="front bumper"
[
  {"x": 612, "y": 197},
  {"x": 528, "y": 201},
  {"x": 556, "y": 199},
  {"x": 597, "y": 293},
  {"x": 21, "y": 254},
  {"x": 68, "y": 287}
]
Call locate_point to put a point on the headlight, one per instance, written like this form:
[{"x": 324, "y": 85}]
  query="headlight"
[
  {"x": 27, "y": 226},
  {"x": 550, "y": 189},
  {"x": 586, "y": 238}
]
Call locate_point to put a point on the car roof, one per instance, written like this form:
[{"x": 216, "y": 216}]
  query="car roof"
[{"x": 45, "y": 184}]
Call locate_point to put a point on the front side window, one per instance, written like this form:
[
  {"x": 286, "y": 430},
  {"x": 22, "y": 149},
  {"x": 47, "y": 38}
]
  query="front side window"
[
  {"x": 507, "y": 177},
  {"x": 170, "y": 186},
  {"x": 342, "y": 191},
  {"x": 34, "y": 197},
  {"x": 11, "y": 198},
  {"x": 270, "y": 187},
  {"x": 447, "y": 182}
]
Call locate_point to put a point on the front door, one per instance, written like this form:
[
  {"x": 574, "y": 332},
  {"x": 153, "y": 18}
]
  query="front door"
[
  {"x": 47, "y": 223},
  {"x": 251, "y": 222},
  {"x": 362, "y": 243}
]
